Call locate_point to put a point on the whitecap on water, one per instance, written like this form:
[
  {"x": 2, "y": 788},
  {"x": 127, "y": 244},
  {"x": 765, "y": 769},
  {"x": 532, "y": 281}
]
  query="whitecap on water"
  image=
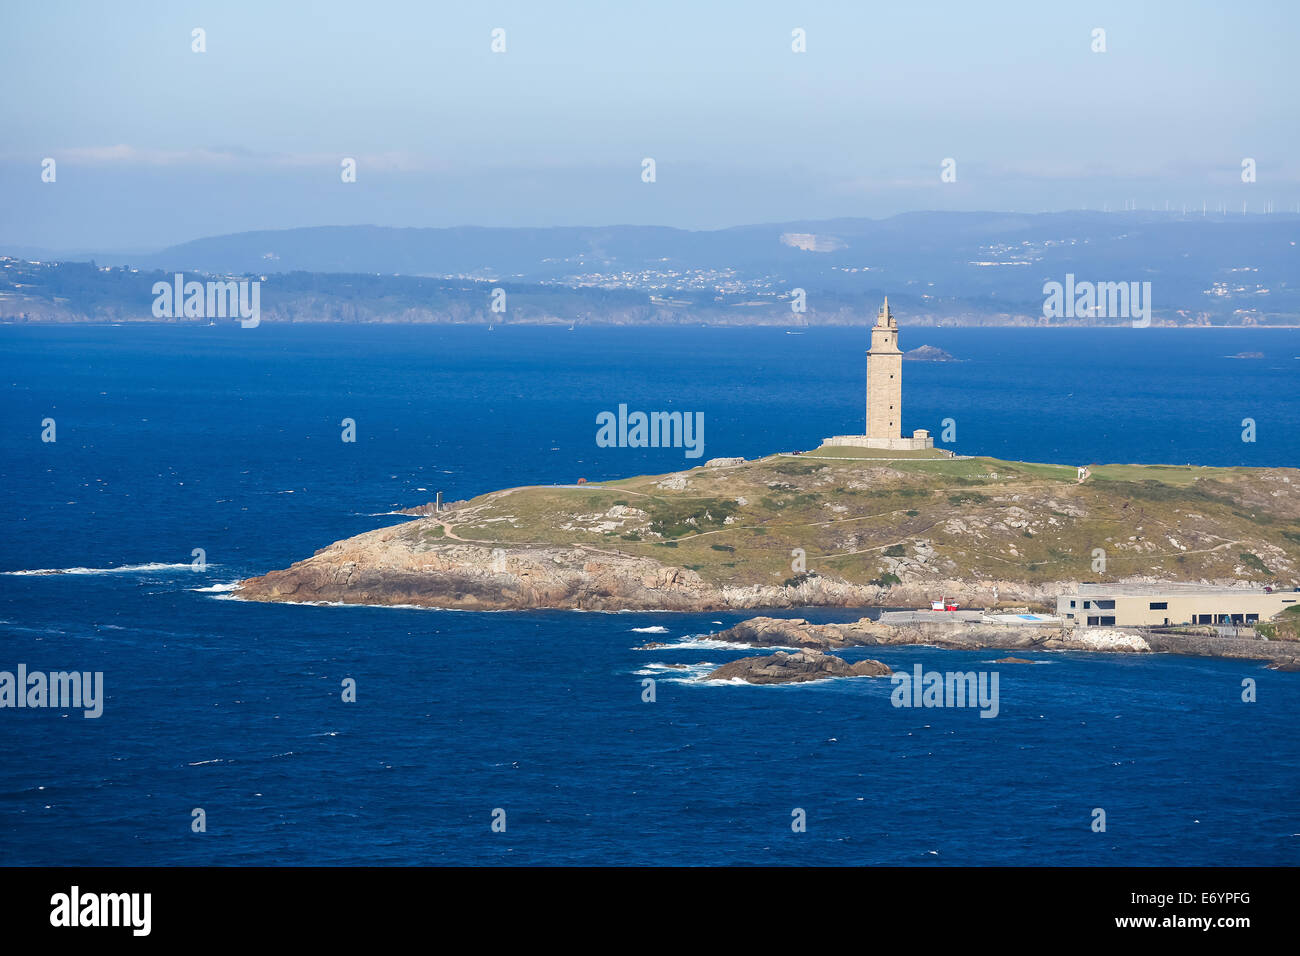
[
  {"x": 121, "y": 569},
  {"x": 706, "y": 644},
  {"x": 674, "y": 674}
]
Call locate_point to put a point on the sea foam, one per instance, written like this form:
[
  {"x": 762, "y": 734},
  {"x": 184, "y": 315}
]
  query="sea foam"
[{"x": 121, "y": 569}]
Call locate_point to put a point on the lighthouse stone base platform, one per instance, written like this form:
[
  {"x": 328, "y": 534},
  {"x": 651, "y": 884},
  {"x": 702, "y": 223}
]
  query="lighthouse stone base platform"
[{"x": 919, "y": 441}]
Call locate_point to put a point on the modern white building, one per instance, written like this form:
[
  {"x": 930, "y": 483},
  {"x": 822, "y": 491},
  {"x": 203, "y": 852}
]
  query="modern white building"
[{"x": 1151, "y": 605}]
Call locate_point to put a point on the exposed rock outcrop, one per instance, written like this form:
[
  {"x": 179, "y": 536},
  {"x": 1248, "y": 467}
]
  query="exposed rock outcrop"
[
  {"x": 975, "y": 635},
  {"x": 796, "y": 632},
  {"x": 960, "y": 635},
  {"x": 414, "y": 563},
  {"x": 389, "y": 566},
  {"x": 796, "y": 668},
  {"x": 928, "y": 353}
]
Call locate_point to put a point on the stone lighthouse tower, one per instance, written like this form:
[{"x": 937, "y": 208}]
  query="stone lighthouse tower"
[
  {"x": 885, "y": 379},
  {"x": 885, "y": 394}
]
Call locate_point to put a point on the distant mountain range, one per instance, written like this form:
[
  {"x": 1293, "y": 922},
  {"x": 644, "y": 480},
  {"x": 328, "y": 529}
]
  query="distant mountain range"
[{"x": 939, "y": 267}]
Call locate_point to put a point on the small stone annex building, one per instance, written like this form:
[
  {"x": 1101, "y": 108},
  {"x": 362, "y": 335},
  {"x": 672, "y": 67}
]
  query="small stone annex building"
[
  {"x": 885, "y": 394},
  {"x": 1153, "y": 605}
]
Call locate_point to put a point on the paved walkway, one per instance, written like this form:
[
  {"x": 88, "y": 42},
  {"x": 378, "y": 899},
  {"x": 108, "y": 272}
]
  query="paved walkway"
[
  {"x": 787, "y": 454},
  {"x": 930, "y": 617}
]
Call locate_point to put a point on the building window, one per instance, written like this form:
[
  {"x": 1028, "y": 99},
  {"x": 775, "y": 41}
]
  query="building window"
[
  {"x": 1087, "y": 604},
  {"x": 1252, "y": 618},
  {"x": 1071, "y": 604},
  {"x": 1106, "y": 605},
  {"x": 1159, "y": 605},
  {"x": 1092, "y": 621},
  {"x": 1108, "y": 620}
]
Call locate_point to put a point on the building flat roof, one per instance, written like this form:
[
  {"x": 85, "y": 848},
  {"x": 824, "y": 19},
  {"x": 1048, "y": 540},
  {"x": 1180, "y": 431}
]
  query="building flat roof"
[{"x": 1143, "y": 590}]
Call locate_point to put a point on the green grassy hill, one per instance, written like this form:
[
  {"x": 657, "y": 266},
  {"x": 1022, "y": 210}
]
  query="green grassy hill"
[{"x": 916, "y": 519}]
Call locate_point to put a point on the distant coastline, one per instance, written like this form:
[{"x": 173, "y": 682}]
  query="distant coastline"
[
  {"x": 978, "y": 269},
  {"x": 61, "y": 318},
  {"x": 564, "y": 323}
]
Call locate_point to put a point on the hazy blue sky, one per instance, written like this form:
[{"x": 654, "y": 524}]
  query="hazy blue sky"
[{"x": 156, "y": 144}]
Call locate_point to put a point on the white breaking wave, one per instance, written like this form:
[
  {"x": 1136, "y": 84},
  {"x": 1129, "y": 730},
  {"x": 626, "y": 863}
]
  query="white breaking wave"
[
  {"x": 741, "y": 682},
  {"x": 401, "y": 607},
  {"x": 708, "y": 644},
  {"x": 735, "y": 682},
  {"x": 121, "y": 569},
  {"x": 690, "y": 674},
  {"x": 655, "y": 629},
  {"x": 218, "y": 588}
]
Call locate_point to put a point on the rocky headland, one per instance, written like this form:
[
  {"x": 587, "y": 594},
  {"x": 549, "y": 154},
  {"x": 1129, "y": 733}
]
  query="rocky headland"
[{"x": 825, "y": 529}]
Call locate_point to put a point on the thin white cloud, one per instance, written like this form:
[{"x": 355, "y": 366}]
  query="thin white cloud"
[{"x": 208, "y": 157}]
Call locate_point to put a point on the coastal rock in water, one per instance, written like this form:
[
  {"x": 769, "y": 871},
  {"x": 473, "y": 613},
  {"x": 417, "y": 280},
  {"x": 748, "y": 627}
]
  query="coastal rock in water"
[
  {"x": 796, "y": 668},
  {"x": 955, "y": 634},
  {"x": 1103, "y": 639},
  {"x": 782, "y": 632},
  {"x": 979, "y": 635},
  {"x": 928, "y": 353},
  {"x": 796, "y": 632}
]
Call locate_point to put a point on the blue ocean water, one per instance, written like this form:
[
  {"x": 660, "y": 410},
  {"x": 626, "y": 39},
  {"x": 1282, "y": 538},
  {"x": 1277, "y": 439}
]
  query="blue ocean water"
[{"x": 227, "y": 439}]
